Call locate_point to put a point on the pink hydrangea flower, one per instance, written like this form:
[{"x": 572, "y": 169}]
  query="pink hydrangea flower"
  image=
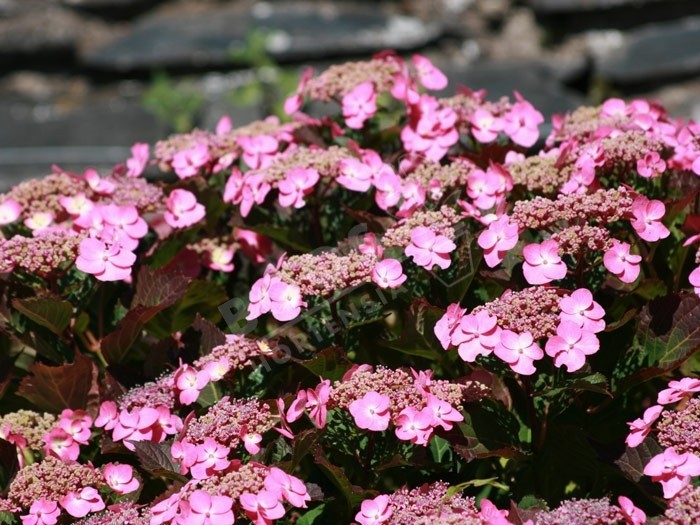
[
  {"x": 42, "y": 512},
  {"x": 542, "y": 262},
  {"x": 647, "y": 219},
  {"x": 189, "y": 382},
  {"x": 431, "y": 130},
  {"x": 39, "y": 221},
  {"x": 259, "y": 297},
  {"x": 359, "y": 105},
  {"x": 571, "y": 345},
  {"x": 388, "y": 274},
  {"x": 130, "y": 227},
  {"x": 138, "y": 160},
  {"x": 429, "y": 76},
  {"x": 374, "y": 511},
  {"x": 290, "y": 488},
  {"x": 188, "y": 162},
  {"x": 428, "y": 248},
  {"x": 223, "y": 126},
  {"x": 485, "y": 127},
  {"x": 60, "y": 444},
  {"x": 251, "y": 442},
  {"x": 254, "y": 191},
  {"x": 76, "y": 205},
  {"x": 413, "y": 198},
  {"x": 580, "y": 308},
  {"x": 10, "y": 210},
  {"x": 694, "y": 279},
  {"x": 108, "y": 415},
  {"x": 414, "y": 425},
  {"x": 519, "y": 351},
  {"x": 496, "y": 240},
  {"x": 285, "y": 300},
  {"x": 77, "y": 424},
  {"x": 258, "y": 151},
  {"x": 80, "y": 504},
  {"x": 448, "y": 323},
  {"x": 220, "y": 258},
  {"x": 254, "y": 245},
  {"x": 135, "y": 425},
  {"x": 166, "y": 510},
  {"x": 651, "y": 165},
  {"x": 678, "y": 390},
  {"x": 389, "y": 187},
  {"x": 355, "y": 175},
  {"x": 371, "y": 412},
  {"x": 673, "y": 470},
  {"x": 370, "y": 245},
  {"x": 522, "y": 122},
  {"x": 443, "y": 413},
  {"x": 262, "y": 508},
  {"x": 640, "y": 427},
  {"x": 317, "y": 401},
  {"x": 97, "y": 184},
  {"x": 120, "y": 478},
  {"x": 183, "y": 209},
  {"x": 632, "y": 514},
  {"x": 107, "y": 262},
  {"x": 211, "y": 457},
  {"x": 205, "y": 509},
  {"x": 492, "y": 515},
  {"x": 620, "y": 262},
  {"x": 297, "y": 183},
  {"x": 293, "y": 103},
  {"x": 477, "y": 334}
]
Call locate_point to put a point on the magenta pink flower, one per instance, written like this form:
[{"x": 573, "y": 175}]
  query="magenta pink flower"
[
  {"x": 542, "y": 263},
  {"x": 371, "y": 412},
  {"x": 359, "y": 105},
  {"x": 220, "y": 258},
  {"x": 519, "y": 351},
  {"x": 205, "y": 509},
  {"x": 429, "y": 76},
  {"x": 355, "y": 175},
  {"x": 127, "y": 222},
  {"x": 621, "y": 263},
  {"x": 651, "y": 165},
  {"x": 317, "y": 401},
  {"x": 258, "y": 151},
  {"x": 188, "y": 162},
  {"x": 414, "y": 425},
  {"x": 254, "y": 191},
  {"x": 254, "y": 245},
  {"x": 76, "y": 205},
  {"x": 211, "y": 457},
  {"x": 613, "y": 107},
  {"x": 370, "y": 245},
  {"x": 223, "y": 126},
  {"x": 166, "y": 510},
  {"x": 108, "y": 415},
  {"x": 678, "y": 390},
  {"x": 485, "y": 127},
  {"x": 443, "y": 413},
  {"x": 428, "y": 248},
  {"x": 431, "y": 130},
  {"x": 107, "y": 262},
  {"x": 42, "y": 512},
  {"x": 694, "y": 279},
  {"x": 251, "y": 442},
  {"x": 135, "y": 425},
  {"x": 80, "y": 504},
  {"x": 285, "y": 300},
  {"x": 374, "y": 511},
  {"x": 496, "y": 240},
  {"x": 522, "y": 122},
  {"x": 388, "y": 274},
  {"x": 673, "y": 470},
  {"x": 39, "y": 221},
  {"x": 77, "y": 424},
  {"x": 571, "y": 345},
  {"x": 477, "y": 334},
  {"x": 486, "y": 188},
  {"x": 389, "y": 187},
  {"x": 138, "y": 160},
  {"x": 120, "y": 478},
  {"x": 259, "y": 297},
  {"x": 448, "y": 323},
  {"x": 290, "y": 488},
  {"x": 297, "y": 183},
  {"x": 640, "y": 427},
  {"x": 295, "y": 101},
  {"x": 492, "y": 515},
  {"x": 413, "y": 195},
  {"x": 10, "y": 210},
  {"x": 632, "y": 514},
  {"x": 262, "y": 508},
  {"x": 189, "y": 382},
  {"x": 60, "y": 444},
  {"x": 647, "y": 219},
  {"x": 580, "y": 308},
  {"x": 183, "y": 209},
  {"x": 98, "y": 185}
]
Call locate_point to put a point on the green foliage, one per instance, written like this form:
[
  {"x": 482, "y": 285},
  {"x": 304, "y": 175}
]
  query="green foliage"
[{"x": 172, "y": 102}]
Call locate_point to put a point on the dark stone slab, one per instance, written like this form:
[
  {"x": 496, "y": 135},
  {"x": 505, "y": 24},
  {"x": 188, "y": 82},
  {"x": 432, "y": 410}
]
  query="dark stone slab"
[
  {"x": 117, "y": 9},
  {"x": 297, "y": 31},
  {"x": 654, "y": 54}
]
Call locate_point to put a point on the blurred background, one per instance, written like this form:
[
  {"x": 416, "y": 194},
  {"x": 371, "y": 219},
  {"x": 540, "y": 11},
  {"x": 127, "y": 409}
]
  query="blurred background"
[{"x": 82, "y": 80}]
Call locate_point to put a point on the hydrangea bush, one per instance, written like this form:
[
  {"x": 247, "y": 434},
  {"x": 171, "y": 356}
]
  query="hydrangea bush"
[{"x": 409, "y": 310}]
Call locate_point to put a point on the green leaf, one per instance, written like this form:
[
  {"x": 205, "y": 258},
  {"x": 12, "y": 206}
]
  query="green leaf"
[
  {"x": 352, "y": 493},
  {"x": 633, "y": 461},
  {"x": 330, "y": 363},
  {"x": 156, "y": 459},
  {"x": 285, "y": 236},
  {"x": 469, "y": 257},
  {"x": 457, "y": 489},
  {"x": 417, "y": 337},
  {"x": 48, "y": 312},
  {"x": 439, "y": 448},
  {"x": 311, "y": 517},
  {"x": 597, "y": 383}
]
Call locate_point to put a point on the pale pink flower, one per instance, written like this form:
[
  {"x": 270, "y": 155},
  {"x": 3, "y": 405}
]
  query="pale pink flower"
[
  {"x": 673, "y": 470},
  {"x": 293, "y": 103},
  {"x": 542, "y": 262},
  {"x": 259, "y": 297},
  {"x": 647, "y": 219},
  {"x": 496, "y": 240},
  {"x": 108, "y": 415},
  {"x": 253, "y": 244},
  {"x": 189, "y": 382},
  {"x": 211, "y": 457},
  {"x": 258, "y": 151},
  {"x": 374, "y": 511},
  {"x": 126, "y": 220},
  {"x": 619, "y": 261},
  {"x": 413, "y": 195},
  {"x": 522, "y": 122},
  {"x": 183, "y": 209},
  {"x": 39, "y": 221},
  {"x": 519, "y": 351},
  {"x": 135, "y": 425},
  {"x": 205, "y": 509},
  {"x": 694, "y": 279},
  {"x": 429, "y": 76},
  {"x": 448, "y": 323},
  {"x": 223, "y": 126},
  {"x": 10, "y": 210},
  {"x": 317, "y": 401},
  {"x": 254, "y": 191},
  {"x": 220, "y": 258},
  {"x": 613, "y": 107},
  {"x": 107, "y": 262},
  {"x": 431, "y": 130},
  {"x": 76, "y": 205},
  {"x": 297, "y": 183},
  {"x": 355, "y": 175},
  {"x": 580, "y": 308},
  {"x": 651, "y": 165},
  {"x": 388, "y": 274},
  {"x": 42, "y": 512},
  {"x": 477, "y": 334},
  {"x": 188, "y": 162},
  {"x": 370, "y": 245},
  {"x": 80, "y": 504},
  {"x": 388, "y": 186},
  {"x": 571, "y": 345},
  {"x": 98, "y": 185},
  {"x": 371, "y": 412},
  {"x": 290, "y": 488},
  {"x": 138, "y": 160},
  {"x": 428, "y": 248},
  {"x": 633, "y": 515},
  {"x": 485, "y": 188},
  {"x": 640, "y": 427},
  {"x": 77, "y": 424},
  {"x": 251, "y": 442},
  {"x": 492, "y": 515},
  {"x": 678, "y": 390},
  {"x": 414, "y": 425},
  {"x": 120, "y": 478},
  {"x": 285, "y": 300},
  {"x": 443, "y": 413},
  {"x": 359, "y": 105},
  {"x": 60, "y": 444},
  {"x": 262, "y": 508},
  {"x": 485, "y": 127}
]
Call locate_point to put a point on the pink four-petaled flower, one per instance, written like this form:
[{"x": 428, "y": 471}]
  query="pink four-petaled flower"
[
  {"x": 120, "y": 478},
  {"x": 542, "y": 263},
  {"x": 106, "y": 261},
  {"x": 580, "y": 308},
  {"x": 496, "y": 240},
  {"x": 640, "y": 427},
  {"x": 42, "y": 512},
  {"x": 374, "y": 511},
  {"x": 388, "y": 274},
  {"x": 477, "y": 334},
  {"x": 371, "y": 412},
  {"x": 619, "y": 261},
  {"x": 673, "y": 470},
  {"x": 359, "y": 105},
  {"x": 519, "y": 351},
  {"x": 647, "y": 219},
  {"x": 183, "y": 209},
  {"x": 297, "y": 183},
  {"x": 80, "y": 504},
  {"x": 428, "y": 248},
  {"x": 571, "y": 345},
  {"x": 205, "y": 509}
]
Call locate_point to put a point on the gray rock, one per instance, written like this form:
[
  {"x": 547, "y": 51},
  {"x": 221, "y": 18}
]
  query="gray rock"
[
  {"x": 296, "y": 31},
  {"x": 49, "y": 31},
  {"x": 654, "y": 54},
  {"x": 568, "y": 6}
]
